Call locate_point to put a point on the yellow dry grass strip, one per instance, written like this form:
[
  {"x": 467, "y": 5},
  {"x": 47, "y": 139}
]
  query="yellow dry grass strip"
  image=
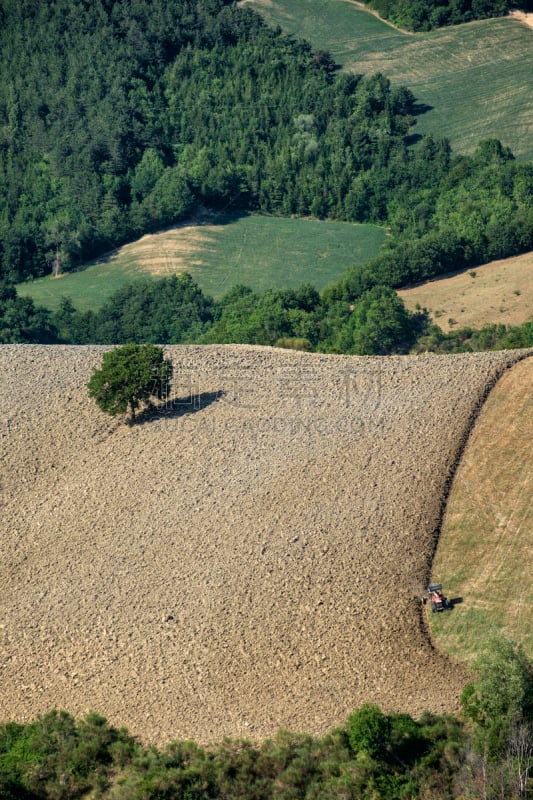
[
  {"x": 501, "y": 291},
  {"x": 523, "y": 16},
  {"x": 166, "y": 252},
  {"x": 486, "y": 547}
]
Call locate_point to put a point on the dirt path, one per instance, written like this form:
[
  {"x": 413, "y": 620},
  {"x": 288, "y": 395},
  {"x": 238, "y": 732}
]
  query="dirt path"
[
  {"x": 248, "y": 560},
  {"x": 374, "y": 13}
]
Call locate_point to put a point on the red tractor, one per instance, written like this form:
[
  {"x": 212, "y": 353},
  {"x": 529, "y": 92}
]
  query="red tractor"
[{"x": 437, "y": 599}]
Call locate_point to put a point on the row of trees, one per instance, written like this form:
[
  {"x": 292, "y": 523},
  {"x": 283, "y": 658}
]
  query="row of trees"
[
  {"x": 490, "y": 337},
  {"x": 375, "y": 756},
  {"x": 22, "y": 321},
  {"x": 354, "y": 316},
  {"x": 174, "y": 310}
]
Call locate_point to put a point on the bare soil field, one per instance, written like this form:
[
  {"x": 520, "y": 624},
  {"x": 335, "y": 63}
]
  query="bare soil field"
[
  {"x": 247, "y": 558},
  {"x": 499, "y": 292}
]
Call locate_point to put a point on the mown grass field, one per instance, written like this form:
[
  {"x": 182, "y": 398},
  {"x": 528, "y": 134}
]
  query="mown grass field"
[
  {"x": 475, "y": 78},
  {"x": 486, "y": 547},
  {"x": 501, "y": 291},
  {"x": 260, "y": 252}
]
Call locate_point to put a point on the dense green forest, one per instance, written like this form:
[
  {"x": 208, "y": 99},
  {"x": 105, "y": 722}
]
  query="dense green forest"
[
  {"x": 118, "y": 118},
  {"x": 483, "y": 753}
]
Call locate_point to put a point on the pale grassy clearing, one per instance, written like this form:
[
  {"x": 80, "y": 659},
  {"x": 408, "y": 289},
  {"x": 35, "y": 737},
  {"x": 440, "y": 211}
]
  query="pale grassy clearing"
[
  {"x": 498, "y": 292},
  {"x": 164, "y": 253},
  {"x": 486, "y": 546},
  {"x": 154, "y": 255},
  {"x": 221, "y": 251}
]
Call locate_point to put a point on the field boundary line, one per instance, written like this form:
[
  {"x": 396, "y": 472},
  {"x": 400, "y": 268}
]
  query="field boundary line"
[
  {"x": 375, "y": 14},
  {"x": 452, "y": 472}
]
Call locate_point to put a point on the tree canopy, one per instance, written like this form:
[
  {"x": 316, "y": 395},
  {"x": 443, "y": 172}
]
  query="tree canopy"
[
  {"x": 129, "y": 376},
  {"x": 423, "y": 15},
  {"x": 501, "y": 697},
  {"x": 118, "y": 119}
]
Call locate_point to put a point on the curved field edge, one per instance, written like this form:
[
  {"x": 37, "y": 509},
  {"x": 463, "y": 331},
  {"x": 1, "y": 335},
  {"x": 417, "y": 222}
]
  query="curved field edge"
[
  {"x": 221, "y": 251},
  {"x": 497, "y": 292},
  {"x": 485, "y": 549},
  {"x": 249, "y": 558},
  {"x": 472, "y": 79}
]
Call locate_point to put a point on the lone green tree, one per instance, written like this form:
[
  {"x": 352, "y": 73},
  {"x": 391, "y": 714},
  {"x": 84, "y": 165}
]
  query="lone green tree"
[{"x": 130, "y": 375}]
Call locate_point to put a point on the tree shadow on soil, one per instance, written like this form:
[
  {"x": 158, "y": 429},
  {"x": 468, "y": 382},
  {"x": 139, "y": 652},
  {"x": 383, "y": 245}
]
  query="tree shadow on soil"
[{"x": 176, "y": 407}]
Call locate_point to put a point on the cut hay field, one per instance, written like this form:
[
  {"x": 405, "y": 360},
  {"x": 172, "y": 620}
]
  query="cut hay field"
[
  {"x": 501, "y": 291},
  {"x": 475, "y": 78},
  {"x": 249, "y": 558},
  {"x": 486, "y": 546},
  {"x": 220, "y": 252}
]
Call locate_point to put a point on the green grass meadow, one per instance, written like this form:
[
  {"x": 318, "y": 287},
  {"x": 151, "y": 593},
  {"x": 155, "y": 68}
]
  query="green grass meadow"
[
  {"x": 475, "y": 78},
  {"x": 276, "y": 253},
  {"x": 88, "y": 287},
  {"x": 257, "y": 251}
]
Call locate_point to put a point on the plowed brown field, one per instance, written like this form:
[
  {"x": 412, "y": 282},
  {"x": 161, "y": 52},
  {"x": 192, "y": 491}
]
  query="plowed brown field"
[{"x": 248, "y": 558}]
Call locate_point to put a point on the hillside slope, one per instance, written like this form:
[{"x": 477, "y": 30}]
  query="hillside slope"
[
  {"x": 220, "y": 252},
  {"x": 486, "y": 544},
  {"x": 472, "y": 79},
  {"x": 247, "y": 560},
  {"x": 498, "y": 292}
]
